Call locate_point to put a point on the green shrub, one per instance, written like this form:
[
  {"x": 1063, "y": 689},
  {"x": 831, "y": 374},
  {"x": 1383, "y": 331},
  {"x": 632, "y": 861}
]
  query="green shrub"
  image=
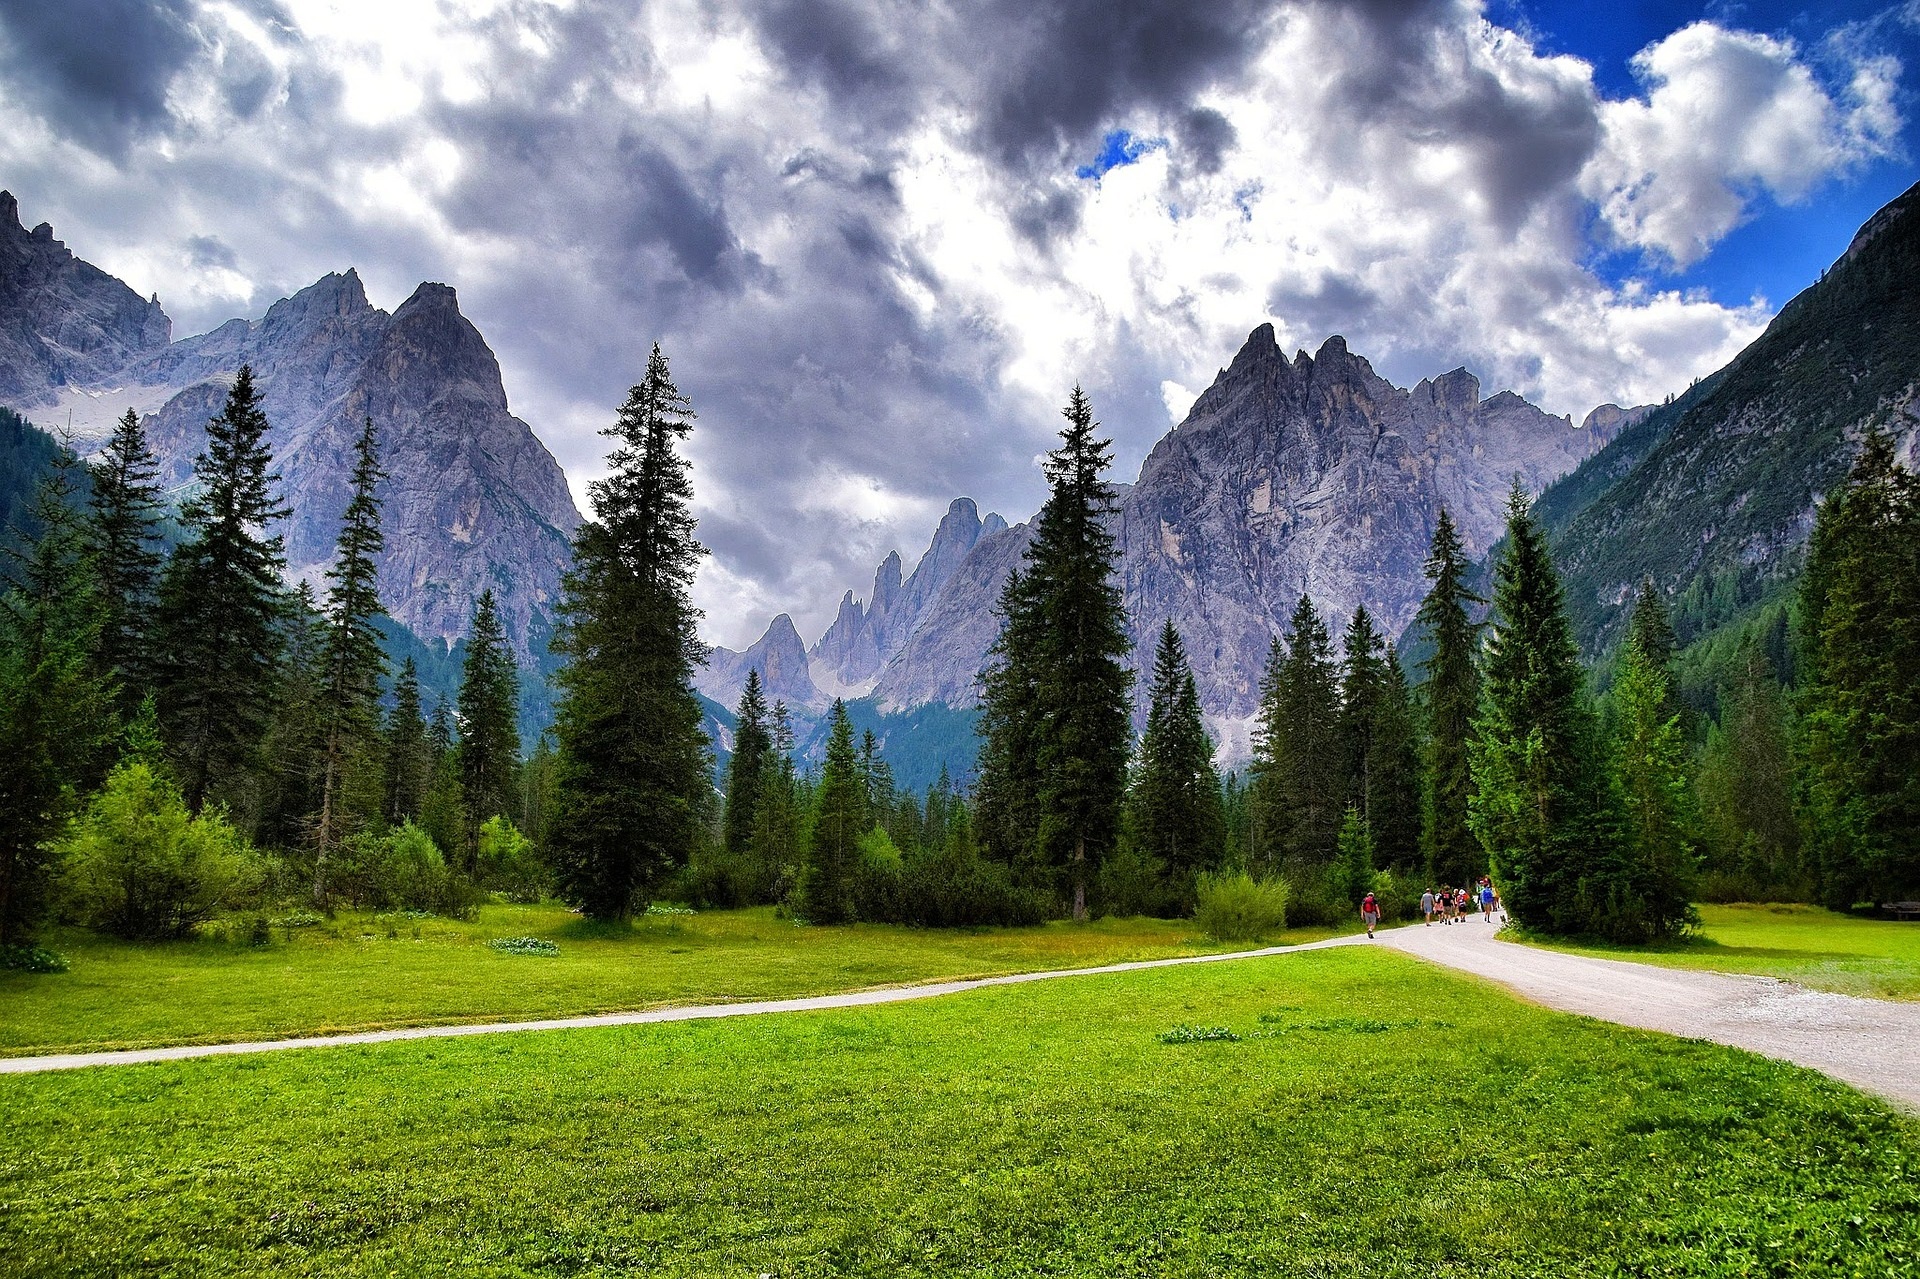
[
  {"x": 402, "y": 869},
  {"x": 138, "y": 865},
  {"x": 1233, "y": 906},
  {"x": 523, "y": 946},
  {"x": 31, "y": 959},
  {"x": 510, "y": 863},
  {"x": 954, "y": 887},
  {"x": 1133, "y": 882},
  {"x": 878, "y": 889}
]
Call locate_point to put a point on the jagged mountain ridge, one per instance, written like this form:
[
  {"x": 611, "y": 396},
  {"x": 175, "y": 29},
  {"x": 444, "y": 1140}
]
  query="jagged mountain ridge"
[
  {"x": 472, "y": 499},
  {"x": 1311, "y": 474}
]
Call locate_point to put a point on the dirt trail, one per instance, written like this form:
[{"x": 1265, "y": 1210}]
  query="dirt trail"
[{"x": 1873, "y": 1044}]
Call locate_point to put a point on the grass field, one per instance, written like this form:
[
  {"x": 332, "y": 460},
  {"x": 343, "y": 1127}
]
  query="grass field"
[
  {"x": 361, "y": 973},
  {"x": 1804, "y": 944},
  {"x": 1375, "y": 1117}
]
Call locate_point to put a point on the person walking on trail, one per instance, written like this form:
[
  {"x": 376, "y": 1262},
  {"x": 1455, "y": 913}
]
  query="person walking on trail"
[
  {"x": 1486, "y": 900},
  {"x": 1462, "y": 905},
  {"x": 1369, "y": 914},
  {"x": 1426, "y": 906}
]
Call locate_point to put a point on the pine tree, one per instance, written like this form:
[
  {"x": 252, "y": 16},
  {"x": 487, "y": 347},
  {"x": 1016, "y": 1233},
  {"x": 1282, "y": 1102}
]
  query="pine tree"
[
  {"x": 635, "y": 775},
  {"x": 1268, "y": 821},
  {"x": 441, "y": 815},
  {"x": 221, "y": 602},
  {"x": 1393, "y": 770},
  {"x": 125, "y": 504},
  {"x": 286, "y": 793},
  {"x": 489, "y": 725},
  {"x": 536, "y": 793},
  {"x": 1351, "y": 874},
  {"x": 1651, "y": 630},
  {"x": 840, "y": 818},
  {"x": 747, "y": 770},
  {"x": 1006, "y": 820},
  {"x": 409, "y": 759},
  {"x": 1084, "y": 681},
  {"x": 1362, "y": 682},
  {"x": 1749, "y": 833},
  {"x": 352, "y": 663},
  {"x": 776, "y": 820},
  {"x": 1451, "y": 694},
  {"x": 1860, "y": 646},
  {"x": 1312, "y": 790},
  {"x": 56, "y": 712},
  {"x": 1655, "y": 795},
  {"x": 1174, "y": 798},
  {"x": 1534, "y": 807}
]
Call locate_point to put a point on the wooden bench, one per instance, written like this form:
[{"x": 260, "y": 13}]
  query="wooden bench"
[{"x": 1902, "y": 910}]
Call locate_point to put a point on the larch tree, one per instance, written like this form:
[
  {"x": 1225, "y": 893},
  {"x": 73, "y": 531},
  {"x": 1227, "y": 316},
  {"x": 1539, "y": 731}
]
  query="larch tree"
[
  {"x": 634, "y": 773},
  {"x": 1451, "y": 696},
  {"x": 489, "y": 709},
  {"x": 352, "y": 663},
  {"x": 221, "y": 602},
  {"x": 123, "y": 534}
]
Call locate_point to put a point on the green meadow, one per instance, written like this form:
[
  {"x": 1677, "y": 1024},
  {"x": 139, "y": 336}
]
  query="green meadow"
[
  {"x": 1817, "y": 948},
  {"x": 367, "y": 972},
  {"x": 1344, "y": 1112}
]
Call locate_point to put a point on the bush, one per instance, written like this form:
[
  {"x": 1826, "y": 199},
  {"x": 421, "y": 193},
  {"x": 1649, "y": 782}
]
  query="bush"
[
  {"x": 510, "y": 864},
  {"x": 877, "y": 879},
  {"x": 1133, "y": 882},
  {"x": 1233, "y": 906},
  {"x": 32, "y": 959},
  {"x": 140, "y": 866},
  {"x": 402, "y": 870},
  {"x": 954, "y": 887}
]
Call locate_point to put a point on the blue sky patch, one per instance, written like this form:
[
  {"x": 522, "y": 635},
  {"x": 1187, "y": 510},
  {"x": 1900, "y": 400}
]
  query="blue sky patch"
[{"x": 1117, "y": 150}]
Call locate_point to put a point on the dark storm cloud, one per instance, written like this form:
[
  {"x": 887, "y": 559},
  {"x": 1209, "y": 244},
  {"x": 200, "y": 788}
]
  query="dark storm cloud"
[
  {"x": 98, "y": 69},
  {"x": 1333, "y": 303},
  {"x": 208, "y": 251},
  {"x": 1205, "y": 137}
]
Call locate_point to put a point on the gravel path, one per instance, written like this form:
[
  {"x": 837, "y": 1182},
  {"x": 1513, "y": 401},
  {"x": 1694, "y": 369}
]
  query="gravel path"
[
  {"x": 1873, "y": 1044},
  {"x": 698, "y": 1012},
  {"x": 1870, "y": 1043}
]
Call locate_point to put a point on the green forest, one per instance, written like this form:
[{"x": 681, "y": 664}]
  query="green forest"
[{"x": 187, "y": 739}]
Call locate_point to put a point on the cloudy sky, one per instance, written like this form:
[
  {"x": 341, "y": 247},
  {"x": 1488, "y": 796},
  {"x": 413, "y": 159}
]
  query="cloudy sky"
[{"x": 880, "y": 240}]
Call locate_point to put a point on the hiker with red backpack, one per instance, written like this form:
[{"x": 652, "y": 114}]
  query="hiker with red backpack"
[{"x": 1369, "y": 914}]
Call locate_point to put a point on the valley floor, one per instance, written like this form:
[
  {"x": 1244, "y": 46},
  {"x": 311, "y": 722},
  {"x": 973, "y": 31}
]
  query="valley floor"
[{"x": 1343, "y": 1111}]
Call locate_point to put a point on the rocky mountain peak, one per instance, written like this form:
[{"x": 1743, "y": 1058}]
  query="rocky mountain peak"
[{"x": 781, "y": 659}]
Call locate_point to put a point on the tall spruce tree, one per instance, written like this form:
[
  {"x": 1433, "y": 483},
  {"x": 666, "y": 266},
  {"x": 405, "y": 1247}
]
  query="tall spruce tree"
[
  {"x": 56, "y": 711},
  {"x": 489, "y": 725},
  {"x": 441, "y": 815},
  {"x": 1393, "y": 770},
  {"x": 1750, "y": 835},
  {"x": 1655, "y": 796},
  {"x": 1312, "y": 784},
  {"x": 1084, "y": 680},
  {"x": 1268, "y": 821},
  {"x": 1362, "y": 684},
  {"x": 634, "y": 774},
  {"x": 409, "y": 759},
  {"x": 352, "y": 663},
  {"x": 776, "y": 846},
  {"x": 125, "y": 505},
  {"x": 1006, "y": 823},
  {"x": 1174, "y": 796},
  {"x": 1650, "y": 629},
  {"x": 1859, "y": 648},
  {"x": 286, "y": 793},
  {"x": 1535, "y": 806},
  {"x": 221, "y": 602},
  {"x": 748, "y": 769},
  {"x": 1451, "y": 696},
  {"x": 840, "y": 817}
]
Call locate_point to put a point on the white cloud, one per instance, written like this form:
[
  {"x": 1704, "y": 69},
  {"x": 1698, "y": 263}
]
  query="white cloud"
[{"x": 1728, "y": 115}]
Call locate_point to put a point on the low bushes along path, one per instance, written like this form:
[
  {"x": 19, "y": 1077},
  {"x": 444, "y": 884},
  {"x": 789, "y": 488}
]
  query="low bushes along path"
[{"x": 1869, "y": 1043}]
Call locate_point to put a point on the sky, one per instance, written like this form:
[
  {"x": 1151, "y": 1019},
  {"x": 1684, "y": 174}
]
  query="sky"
[{"x": 879, "y": 242}]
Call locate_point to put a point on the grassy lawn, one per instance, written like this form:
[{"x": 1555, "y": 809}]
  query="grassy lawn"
[
  {"x": 1377, "y": 1117},
  {"x": 363, "y": 973},
  {"x": 1804, "y": 944}
]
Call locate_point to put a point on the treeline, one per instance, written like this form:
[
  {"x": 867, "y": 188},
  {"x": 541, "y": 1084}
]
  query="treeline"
[{"x": 182, "y": 733}]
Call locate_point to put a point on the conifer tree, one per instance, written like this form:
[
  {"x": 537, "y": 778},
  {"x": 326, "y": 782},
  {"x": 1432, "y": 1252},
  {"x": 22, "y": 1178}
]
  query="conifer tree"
[
  {"x": 56, "y": 712},
  {"x": 1860, "y": 647},
  {"x": 1451, "y": 694},
  {"x": 409, "y": 758},
  {"x": 776, "y": 821},
  {"x": 1655, "y": 795},
  {"x": 441, "y": 815},
  {"x": 1534, "y": 807},
  {"x": 747, "y": 770},
  {"x": 1749, "y": 833},
  {"x": 1006, "y": 820},
  {"x": 221, "y": 602},
  {"x": 1651, "y": 630},
  {"x": 1393, "y": 770},
  {"x": 489, "y": 725},
  {"x": 125, "y": 507},
  {"x": 1352, "y": 870},
  {"x": 352, "y": 663},
  {"x": 1084, "y": 680},
  {"x": 634, "y": 776},
  {"x": 1362, "y": 680},
  {"x": 1174, "y": 798},
  {"x": 1268, "y": 821},
  {"x": 840, "y": 818},
  {"x": 1312, "y": 790},
  {"x": 291, "y": 747},
  {"x": 536, "y": 793}
]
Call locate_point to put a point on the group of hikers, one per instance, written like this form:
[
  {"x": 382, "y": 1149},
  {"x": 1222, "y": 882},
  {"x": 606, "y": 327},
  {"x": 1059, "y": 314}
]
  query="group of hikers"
[{"x": 1447, "y": 904}]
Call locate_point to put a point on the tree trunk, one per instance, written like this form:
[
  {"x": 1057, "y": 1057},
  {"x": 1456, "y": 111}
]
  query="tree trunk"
[
  {"x": 1080, "y": 879},
  {"x": 326, "y": 827}
]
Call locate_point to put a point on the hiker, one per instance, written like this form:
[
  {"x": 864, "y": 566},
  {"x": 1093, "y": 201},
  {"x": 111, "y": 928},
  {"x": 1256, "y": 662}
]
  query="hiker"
[
  {"x": 1369, "y": 914},
  {"x": 1462, "y": 905},
  {"x": 1446, "y": 903},
  {"x": 1486, "y": 900},
  {"x": 1426, "y": 906}
]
